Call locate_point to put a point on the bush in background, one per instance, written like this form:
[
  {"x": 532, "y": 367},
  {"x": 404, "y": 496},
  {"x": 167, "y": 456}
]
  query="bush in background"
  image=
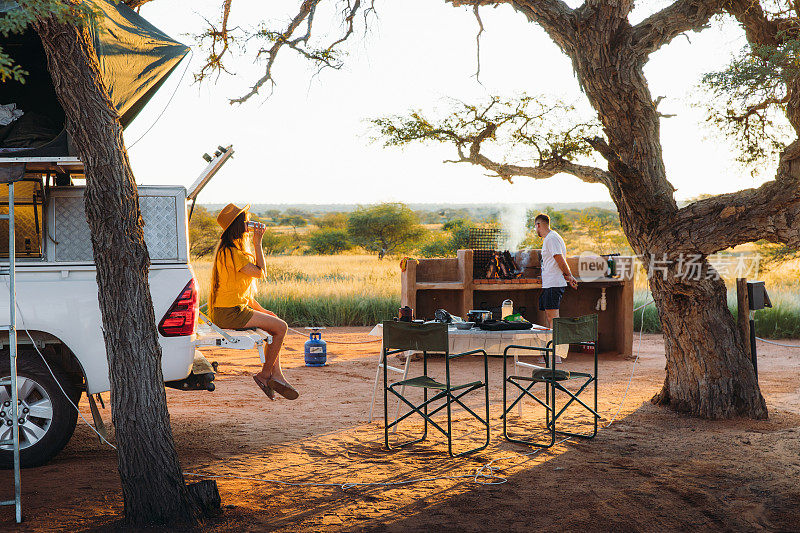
[
  {"x": 328, "y": 241},
  {"x": 204, "y": 232},
  {"x": 455, "y": 236},
  {"x": 440, "y": 245},
  {"x": 275, "y": 243},
  {"x": 331, "y": 220}
]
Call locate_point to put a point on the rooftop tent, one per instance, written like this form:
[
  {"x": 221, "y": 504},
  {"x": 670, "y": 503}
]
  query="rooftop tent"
[{"x": 135, "y": 59}]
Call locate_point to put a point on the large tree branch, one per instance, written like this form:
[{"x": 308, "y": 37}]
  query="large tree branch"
[
  {"x": 770, "y": 212},
  {"x": 554, "y": 16},
  {"x": 324, "y": 57},
  {"x": 660, "y": 28},
  {"x": 758, "y": 28},
  {"x": 627, "y": 176},
  {"x": 305, "y": 14},
  {"x": 219, "y": 37},
  {"x": 545, "y": 169}
]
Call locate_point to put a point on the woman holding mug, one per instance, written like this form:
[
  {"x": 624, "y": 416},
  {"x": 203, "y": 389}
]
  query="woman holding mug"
[{"x": 238, "y": 262}]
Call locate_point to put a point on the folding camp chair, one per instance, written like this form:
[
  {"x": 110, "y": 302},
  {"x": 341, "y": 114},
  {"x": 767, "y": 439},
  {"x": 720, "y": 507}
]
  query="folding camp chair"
[
  {"x": 582, "y": 331},
  {"x": 402, "y": 336},
  {"x": 404, "y": 370}
]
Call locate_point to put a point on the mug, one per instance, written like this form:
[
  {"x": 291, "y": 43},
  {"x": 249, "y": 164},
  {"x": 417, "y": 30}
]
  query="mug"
[{"x": 405, "y": 314}]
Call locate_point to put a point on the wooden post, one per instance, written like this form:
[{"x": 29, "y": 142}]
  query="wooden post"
[
  {"x": 743, "y": 320},
  {"x": 408, "y": 284},
  {"x": 624, "y": 316},
  {"x": 465, "y": 274}
]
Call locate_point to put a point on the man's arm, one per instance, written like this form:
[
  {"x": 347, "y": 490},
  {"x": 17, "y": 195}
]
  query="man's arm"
[{"x": 562, "y": 264}]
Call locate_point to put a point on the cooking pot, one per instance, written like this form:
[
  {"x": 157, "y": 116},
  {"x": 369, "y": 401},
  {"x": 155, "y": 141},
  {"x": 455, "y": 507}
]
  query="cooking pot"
[{"x": 478, "y": 316}]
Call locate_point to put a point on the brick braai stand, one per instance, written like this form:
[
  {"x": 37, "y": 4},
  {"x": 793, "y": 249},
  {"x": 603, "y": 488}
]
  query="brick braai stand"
[{"x": 448, "y": 283}]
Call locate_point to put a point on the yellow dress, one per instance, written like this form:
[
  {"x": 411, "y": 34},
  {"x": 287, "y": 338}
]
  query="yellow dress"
[{"x": 234, "y": 289}]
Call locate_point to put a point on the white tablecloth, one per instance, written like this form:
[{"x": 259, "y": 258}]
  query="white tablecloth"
[{"x": 494, "y": 342}]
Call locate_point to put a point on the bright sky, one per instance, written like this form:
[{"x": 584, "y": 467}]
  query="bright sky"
[{"x": 310, "y": 142}]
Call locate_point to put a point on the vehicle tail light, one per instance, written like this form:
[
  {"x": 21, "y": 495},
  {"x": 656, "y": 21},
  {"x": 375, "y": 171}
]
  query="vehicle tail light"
[{"x": 181, "y": 318}]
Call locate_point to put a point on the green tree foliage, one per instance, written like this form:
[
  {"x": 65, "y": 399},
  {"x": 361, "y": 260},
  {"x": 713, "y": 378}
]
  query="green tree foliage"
[
  {"x": 750, "y": 97},
  {"x": 385, "y": 228},
  {"x": 438, "y": 245},
  {"x": 558, "y": 219},
  {"x": 328, "y": 241},
  {"x": 204, "y": 232},
  {"x": 18, "y": 20},
  {"x": 275, "y": 243},
  {"x": 455, "y": 236},
  {"x": 605, "y": 233},
  {"x": 459, "y": 232}
]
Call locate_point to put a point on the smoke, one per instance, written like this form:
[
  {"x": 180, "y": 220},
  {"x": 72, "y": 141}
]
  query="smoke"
[{"x": 513, "y": 220}]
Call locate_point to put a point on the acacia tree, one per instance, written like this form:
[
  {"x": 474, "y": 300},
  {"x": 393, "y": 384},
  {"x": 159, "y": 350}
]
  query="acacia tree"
[
  {"x": 384, "y": 228},
  {"x": 708, "y": 372},
  {"x": 152, "y": 481}
]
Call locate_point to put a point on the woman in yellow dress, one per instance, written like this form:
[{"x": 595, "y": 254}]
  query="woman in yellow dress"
[{"x": 238, "y": 262}]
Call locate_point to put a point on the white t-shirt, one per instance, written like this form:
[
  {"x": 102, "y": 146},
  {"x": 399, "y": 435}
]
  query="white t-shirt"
[{"x": 551, "y": 273}]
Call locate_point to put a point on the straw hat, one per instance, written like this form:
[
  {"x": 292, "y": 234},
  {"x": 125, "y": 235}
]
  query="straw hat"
[{"x": 229, "y": 214}]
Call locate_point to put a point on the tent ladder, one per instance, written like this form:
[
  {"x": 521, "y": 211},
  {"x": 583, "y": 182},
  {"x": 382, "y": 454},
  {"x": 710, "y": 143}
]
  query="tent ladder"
[{"x": 12, "y": 342}]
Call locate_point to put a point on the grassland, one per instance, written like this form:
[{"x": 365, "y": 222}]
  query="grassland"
[
  {"x": 781, "y": 321},
  {"x": 350, "y": 290},
  {"x": 333, "y": 290}
]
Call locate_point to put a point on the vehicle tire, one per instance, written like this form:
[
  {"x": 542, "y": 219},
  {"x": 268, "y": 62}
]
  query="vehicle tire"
[{"x": 42, "y": 436}]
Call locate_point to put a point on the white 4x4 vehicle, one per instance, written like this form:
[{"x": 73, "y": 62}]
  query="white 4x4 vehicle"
[{"x": 58, "y": 314}]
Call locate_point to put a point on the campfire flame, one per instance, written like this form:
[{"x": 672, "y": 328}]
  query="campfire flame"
[{"x": 502, "y": 266}]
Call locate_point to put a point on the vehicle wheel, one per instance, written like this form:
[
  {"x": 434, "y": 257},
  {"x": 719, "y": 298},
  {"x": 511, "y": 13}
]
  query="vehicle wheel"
[{"x": 47, "y": 418}]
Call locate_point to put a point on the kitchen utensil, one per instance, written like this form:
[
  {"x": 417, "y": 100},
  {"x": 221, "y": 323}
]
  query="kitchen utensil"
[{"x": 478, "y": 316}]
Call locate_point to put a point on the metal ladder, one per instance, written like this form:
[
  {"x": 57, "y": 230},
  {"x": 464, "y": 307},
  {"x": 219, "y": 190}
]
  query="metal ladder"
[{"x": 12, "y": 343}]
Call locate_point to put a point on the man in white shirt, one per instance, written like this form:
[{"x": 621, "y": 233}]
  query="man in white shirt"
[{"x": 555, "y": 271}]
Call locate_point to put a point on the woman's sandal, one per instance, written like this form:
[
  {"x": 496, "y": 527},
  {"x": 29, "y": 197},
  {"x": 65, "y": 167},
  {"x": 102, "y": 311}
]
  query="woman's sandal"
[
  {"x": 283, "y": 388},
  {"x": 266, "y": 388}
]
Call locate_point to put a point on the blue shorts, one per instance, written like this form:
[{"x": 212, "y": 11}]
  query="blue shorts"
[{"x": 551, "y": 298}]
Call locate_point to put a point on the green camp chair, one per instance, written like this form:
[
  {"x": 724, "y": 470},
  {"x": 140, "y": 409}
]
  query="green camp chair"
[
  {"x": 403, "y": 336},
  {"x": 581, "y": 330}
]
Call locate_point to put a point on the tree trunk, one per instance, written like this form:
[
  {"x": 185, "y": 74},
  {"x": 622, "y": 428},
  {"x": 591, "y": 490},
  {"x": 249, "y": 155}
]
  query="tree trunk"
[
  {"x": 152, "y": 482},
  {"x": 708, "y": 372}
]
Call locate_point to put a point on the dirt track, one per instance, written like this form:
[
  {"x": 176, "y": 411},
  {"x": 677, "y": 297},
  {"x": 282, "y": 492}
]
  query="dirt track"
[{"x": 651, "y": 470}]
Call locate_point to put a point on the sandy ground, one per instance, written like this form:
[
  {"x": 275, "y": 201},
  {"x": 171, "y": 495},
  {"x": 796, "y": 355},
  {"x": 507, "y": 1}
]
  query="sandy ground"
[{"x": 651, "y": 470}]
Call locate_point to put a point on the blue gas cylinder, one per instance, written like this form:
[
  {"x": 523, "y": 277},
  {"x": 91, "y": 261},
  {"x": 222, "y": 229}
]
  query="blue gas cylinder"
[{"x": 316, "y": 353}]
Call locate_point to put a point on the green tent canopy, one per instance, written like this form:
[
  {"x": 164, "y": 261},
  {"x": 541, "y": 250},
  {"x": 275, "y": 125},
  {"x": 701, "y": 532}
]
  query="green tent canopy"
[{"x": 135, "y": 59}]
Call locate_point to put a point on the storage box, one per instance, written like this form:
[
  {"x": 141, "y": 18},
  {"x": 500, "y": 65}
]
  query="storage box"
[{"x": 163, "y": 211}]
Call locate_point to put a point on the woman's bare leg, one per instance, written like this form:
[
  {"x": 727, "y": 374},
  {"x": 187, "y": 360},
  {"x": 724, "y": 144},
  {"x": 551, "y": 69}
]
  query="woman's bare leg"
[{"x": 277, "y": 328}]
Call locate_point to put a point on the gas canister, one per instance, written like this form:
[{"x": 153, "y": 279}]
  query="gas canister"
[{"x": 316, "y": 352}]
